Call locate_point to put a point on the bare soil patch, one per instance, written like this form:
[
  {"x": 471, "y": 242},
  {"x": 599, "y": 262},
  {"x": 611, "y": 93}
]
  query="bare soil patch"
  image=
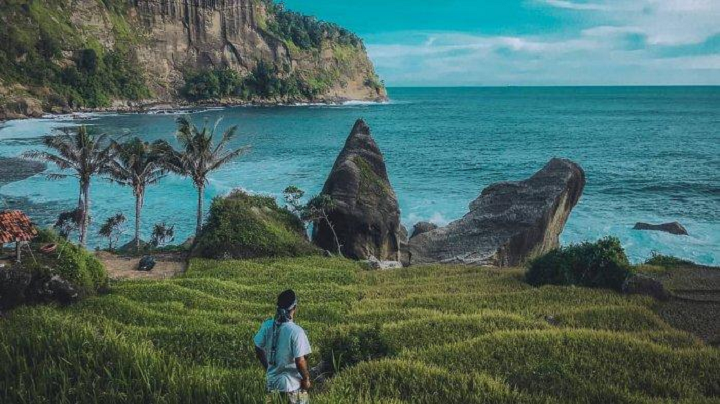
[{"x": 167, "y": 265}]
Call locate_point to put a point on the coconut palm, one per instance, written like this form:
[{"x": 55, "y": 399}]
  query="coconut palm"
[
  {"x": 201, "y": 152},
  {"x": 85, "y": 155},
  {"x": 138, "y": 164}
]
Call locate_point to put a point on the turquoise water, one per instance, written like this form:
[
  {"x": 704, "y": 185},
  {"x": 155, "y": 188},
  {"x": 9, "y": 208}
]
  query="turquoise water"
[{"x": 650, "y": 154}]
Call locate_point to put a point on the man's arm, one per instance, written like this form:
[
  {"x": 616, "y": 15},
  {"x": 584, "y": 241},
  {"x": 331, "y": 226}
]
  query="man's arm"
[
  {"x": 302, "y": 367},
  {"x": 260, "y": 354}
]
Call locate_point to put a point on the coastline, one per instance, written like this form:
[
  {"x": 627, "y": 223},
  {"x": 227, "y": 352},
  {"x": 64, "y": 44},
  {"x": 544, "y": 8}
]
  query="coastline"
[{"x": 150, "y": 107}]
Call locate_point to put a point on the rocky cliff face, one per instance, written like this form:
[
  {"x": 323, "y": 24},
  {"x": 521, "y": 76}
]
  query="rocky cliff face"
[
  {"x": 235, "y": 33},
  {"x": 166, "y": 39},
  {"x": 509, "y": 222},
  {"x": 366, "y": 217}
]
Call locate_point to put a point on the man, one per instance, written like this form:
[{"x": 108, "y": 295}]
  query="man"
[{"x": 282, "y": 348}]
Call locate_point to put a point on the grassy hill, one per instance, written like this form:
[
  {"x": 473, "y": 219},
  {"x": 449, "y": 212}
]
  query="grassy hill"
[{"x": 437, "y": 335}]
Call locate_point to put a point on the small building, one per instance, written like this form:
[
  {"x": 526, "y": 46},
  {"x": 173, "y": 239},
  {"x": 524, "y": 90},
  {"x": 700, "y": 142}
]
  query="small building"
[{"x": 16, "y": 227}]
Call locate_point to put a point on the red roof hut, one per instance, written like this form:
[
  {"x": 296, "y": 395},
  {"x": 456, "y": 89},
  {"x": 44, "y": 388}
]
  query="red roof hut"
[{"x": 16, "y": 227}]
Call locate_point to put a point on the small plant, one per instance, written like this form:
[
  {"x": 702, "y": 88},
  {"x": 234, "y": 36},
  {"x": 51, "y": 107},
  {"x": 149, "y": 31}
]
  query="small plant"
[
  {"x": 113, "y": 228},
  {"x": 602, "y": 264},
  {"x": 162, "y": 234},
  {"x": 68, "y": 222}
]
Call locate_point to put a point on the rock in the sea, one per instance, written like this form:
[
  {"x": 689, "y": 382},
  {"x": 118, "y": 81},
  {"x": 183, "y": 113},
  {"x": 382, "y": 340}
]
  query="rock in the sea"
[
  {"x": 366, "y": 217},
  {"x": 509, "y": 223},
  {"x": 672, "y": 228},
  {"x": 423, "y": 227},
  {"x": 644, "y": 285}
]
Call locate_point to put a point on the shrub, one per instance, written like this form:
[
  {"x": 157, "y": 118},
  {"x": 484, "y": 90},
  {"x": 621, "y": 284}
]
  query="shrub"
[
  {"x": 602, "y": 264},
  {"x": 348, "y": 345},
  {"x": 246, "y": 226},
  {"x": 73, "y": 263},
  {"x": 666, "y": 261}
]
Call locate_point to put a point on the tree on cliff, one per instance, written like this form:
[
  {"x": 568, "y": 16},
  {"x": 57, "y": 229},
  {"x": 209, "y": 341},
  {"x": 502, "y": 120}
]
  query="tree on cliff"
[
  {"x": 138, "y": 164},
  {"x": 315, "y": 210},
  {"x": 201, "y": 153},
  {"x": 85, "y": 155}
]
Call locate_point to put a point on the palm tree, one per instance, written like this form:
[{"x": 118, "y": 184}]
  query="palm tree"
[
  {"x": 83, "y": 153},
  {"x": 201, "y": 153},
  {"x": 138, "y": 164}
]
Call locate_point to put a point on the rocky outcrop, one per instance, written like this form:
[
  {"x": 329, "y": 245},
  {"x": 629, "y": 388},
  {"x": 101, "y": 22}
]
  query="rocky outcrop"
[
  {"x": 366, "y": 217},
  {"x": 20, "y": 107},
  {"x": 672, "y": 228},
  {"x": 509, "y": 223},
  {"x": 423, "y": 227},
  {"x": 644, "y": 285}
]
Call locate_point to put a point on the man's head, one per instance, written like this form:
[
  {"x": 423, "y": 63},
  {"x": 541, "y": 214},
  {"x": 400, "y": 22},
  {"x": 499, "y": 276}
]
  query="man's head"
[{"x": 287, "y": 301}]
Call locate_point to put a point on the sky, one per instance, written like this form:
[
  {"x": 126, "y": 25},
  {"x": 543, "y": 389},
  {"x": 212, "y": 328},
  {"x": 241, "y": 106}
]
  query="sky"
[{"x": 533, "y": 42}]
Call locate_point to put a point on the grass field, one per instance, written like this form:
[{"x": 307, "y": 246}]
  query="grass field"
[{"x": 437, "y": 335}]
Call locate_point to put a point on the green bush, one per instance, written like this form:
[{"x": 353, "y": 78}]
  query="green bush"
[
  {"x": 602, "y": 264},
  {"x": 73, "y": 263},
  {"x": 265, "y": 81},
  {"x": 243, "y": 226},
  {"x": 666, "y": 261},
  {"x": 349, "y": 345}
]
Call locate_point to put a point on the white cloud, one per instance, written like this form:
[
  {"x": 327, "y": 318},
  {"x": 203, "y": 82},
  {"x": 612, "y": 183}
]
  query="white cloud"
[
  {"x": 595, "y": 56},
  {"x": 664, "y": 22},
  {"x": 621, "y": 44}
]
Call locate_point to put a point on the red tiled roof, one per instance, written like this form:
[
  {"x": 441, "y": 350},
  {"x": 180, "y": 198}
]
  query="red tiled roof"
[{"x": 15, "y": 226}]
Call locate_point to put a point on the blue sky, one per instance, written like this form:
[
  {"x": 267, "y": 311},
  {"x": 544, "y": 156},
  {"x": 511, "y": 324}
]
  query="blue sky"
[{"x": 533, "y": 42}]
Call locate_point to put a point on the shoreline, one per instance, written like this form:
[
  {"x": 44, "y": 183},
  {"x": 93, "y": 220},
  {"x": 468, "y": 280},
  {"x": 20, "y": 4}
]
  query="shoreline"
[{"x": 170, "y": 107}]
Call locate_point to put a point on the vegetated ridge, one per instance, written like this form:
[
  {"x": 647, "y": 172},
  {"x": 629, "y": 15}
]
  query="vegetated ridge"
[{"x": 61, "y": 55}]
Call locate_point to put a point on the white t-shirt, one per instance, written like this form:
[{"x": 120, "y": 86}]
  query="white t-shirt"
[{"x": 292, "y": 343}]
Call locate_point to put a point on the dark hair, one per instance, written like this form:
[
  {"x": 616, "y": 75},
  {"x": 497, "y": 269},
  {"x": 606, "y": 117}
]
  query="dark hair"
[{"x": 286, "y": 299}]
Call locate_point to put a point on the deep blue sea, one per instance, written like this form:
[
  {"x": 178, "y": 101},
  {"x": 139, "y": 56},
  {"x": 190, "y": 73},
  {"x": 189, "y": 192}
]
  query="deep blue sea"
[{"x": 650, "y": 153}]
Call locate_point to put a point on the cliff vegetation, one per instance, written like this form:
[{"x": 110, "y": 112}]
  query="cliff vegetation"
[{"x": 61, "y": 55}]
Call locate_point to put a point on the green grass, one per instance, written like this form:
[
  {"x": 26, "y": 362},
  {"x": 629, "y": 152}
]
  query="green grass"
[{"x": 435, "y": 334}]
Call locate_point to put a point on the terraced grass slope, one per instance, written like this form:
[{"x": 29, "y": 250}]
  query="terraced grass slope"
[{"x": 449, "y": 334}]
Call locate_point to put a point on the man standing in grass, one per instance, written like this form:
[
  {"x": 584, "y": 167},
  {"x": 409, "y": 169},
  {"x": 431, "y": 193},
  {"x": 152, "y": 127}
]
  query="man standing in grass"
[{"x": 282, "y": 348}]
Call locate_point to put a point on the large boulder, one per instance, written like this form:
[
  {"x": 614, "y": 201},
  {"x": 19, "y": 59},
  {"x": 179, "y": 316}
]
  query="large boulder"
[
  {"x": 509, "y": 222},
  {"x": 672, "y": 228},
  {"x": 644, "y": 285},
  {"x": 366, "y": 217},
  {"x": 423, "y": 227}
]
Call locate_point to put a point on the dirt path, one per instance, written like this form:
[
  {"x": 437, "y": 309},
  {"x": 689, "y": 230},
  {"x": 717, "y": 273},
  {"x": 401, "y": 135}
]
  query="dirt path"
[{"x": 167, "y": 265}]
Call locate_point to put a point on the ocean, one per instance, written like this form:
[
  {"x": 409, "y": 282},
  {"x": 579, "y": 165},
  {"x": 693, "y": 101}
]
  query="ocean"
[{"x": 651, "y": 154}]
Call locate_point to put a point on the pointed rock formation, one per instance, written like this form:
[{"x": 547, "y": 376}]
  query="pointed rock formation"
[
  {"x": 509, "y": 222},
  {"x": 366, "y": 217}
]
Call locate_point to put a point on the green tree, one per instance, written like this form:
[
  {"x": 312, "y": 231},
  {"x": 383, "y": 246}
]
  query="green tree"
[
  {"x": 85, "y": 155},
  {"x": 201, "y": 152},
  {"x": 112, "y": 229},
  {"x": 138, "y": 164},
  {"x": 317, "y": 209},
  {"x": 162, "y": 233}
]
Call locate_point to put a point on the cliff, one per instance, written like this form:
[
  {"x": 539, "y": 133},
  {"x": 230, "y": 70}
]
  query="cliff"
[{"x": 62, "y": 55}]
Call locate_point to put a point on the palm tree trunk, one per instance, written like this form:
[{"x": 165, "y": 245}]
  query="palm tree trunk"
[
  {"x": 138, "y": 208},
  {"x": 85, "y": 220},
  {"x": 201, "y": 194}
]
